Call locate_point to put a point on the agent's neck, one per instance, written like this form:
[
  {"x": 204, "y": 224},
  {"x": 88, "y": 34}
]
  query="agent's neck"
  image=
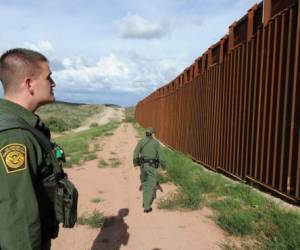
[{"x": 22, "y": 102}]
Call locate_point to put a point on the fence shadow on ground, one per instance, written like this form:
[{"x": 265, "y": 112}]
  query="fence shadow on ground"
[{"x": 114, "y": 233}]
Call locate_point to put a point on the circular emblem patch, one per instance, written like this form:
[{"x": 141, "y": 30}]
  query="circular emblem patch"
[{"x": 14, "y": 157}]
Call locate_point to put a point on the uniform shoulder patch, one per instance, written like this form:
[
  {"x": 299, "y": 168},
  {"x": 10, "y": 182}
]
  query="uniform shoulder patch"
[{"x": 14, "y": 157}]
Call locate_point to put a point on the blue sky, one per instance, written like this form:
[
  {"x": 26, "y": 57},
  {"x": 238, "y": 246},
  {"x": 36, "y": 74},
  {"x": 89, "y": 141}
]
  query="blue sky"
[{"x": 116, "y": 51}]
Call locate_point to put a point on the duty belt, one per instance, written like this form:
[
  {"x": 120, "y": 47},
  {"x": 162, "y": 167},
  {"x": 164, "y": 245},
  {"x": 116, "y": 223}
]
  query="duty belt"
[{"x": 150, "y": 161}]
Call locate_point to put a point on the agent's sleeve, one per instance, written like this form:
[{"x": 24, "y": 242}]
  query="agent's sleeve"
[
  {"x": 19, "y": 220},
  {"x": 161, "y": 157},
  {"x": 136, "y": 154}
]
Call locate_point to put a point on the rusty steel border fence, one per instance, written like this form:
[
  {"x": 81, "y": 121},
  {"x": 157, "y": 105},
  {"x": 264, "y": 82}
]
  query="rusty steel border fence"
[{"x": 236, "y": 109}]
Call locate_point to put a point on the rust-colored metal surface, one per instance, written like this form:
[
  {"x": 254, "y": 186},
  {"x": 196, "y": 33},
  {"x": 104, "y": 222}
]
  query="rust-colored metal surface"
[{"x": 236, "y": 109}]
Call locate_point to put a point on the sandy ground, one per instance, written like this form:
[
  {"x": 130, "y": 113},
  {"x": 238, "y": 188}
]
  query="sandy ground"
[{"x": 129, "y": 227}]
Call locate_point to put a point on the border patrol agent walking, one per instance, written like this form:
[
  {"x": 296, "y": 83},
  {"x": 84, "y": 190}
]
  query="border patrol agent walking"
[
  {"x": 33, "y": 187},
  {"x": 148, "y": 155}
]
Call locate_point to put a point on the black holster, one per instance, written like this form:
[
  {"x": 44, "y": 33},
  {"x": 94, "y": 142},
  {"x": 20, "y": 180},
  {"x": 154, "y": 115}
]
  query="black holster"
[
  {"x": 152, "y": 162},
  {"x": 61, "y": 192}
]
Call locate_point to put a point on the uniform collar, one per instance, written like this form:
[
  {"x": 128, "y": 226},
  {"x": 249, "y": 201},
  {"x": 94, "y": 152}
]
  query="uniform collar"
[{"x": 20, "y": 111}]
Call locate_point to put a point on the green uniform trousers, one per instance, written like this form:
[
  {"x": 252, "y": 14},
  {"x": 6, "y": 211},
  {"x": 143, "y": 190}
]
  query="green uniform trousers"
[{"x": 149, "y": 181}]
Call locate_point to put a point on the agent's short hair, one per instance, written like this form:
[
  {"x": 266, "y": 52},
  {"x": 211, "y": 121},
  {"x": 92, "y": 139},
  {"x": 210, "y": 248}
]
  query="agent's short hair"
[{"x": 15, "y": 64}]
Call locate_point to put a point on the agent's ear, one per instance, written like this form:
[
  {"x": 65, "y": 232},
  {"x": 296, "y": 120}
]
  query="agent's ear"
[{"x": 28, "y": 85}]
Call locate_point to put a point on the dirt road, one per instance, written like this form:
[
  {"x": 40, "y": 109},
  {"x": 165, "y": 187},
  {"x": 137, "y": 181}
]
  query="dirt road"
[
  {"x": 129, "y": 227},
  {"x": 107, "y": 115}
]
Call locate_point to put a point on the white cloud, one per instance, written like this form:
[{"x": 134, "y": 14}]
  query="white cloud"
[
  {"x": 41, "y": 46},
  {"x": 112, "y": 66},
  {"x": 122, "y": 73},
  {"x": 135, "y": 26},
  {"x": 45, "y": 46}
]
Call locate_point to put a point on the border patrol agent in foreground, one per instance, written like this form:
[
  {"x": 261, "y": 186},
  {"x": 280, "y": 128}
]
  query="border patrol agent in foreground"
[
  {"x": 148, "y": 155},
  {"x": 35, "y": 193}
]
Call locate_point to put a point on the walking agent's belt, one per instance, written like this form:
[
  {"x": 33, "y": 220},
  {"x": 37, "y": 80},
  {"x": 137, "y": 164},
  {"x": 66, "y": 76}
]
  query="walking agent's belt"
[{"x": 150, "y": 161}]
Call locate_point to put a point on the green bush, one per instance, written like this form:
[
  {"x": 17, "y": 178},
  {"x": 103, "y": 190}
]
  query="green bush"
[
  {"x": 56, "y": 124},
  {"x": 102, "y": 163},
  {"x": 94, "y": 124},
  {"x": 96, "y": 200},
  {"x": 94, "y": 220},
  {"x": 90, "y": 156},
  {"x": 163, "y": 177},
  {"x": 115, "y": 162},
  {"x": 97, "y": 147}
]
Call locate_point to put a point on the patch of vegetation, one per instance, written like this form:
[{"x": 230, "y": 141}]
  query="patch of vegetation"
[
  {"x": 61, "y": 117},
  {"x": 57, "y": 124},
  {"x": 179, "y": 200},
  {"x": 163, "y": 177},
  {"x": 140, "y": 130},
  {"x": 94, "y": 124},
  {"x": 231, "y": 245},
  {"x": 113, "y": 153},
  {"x": 94, "y": 220},
  {"x": 108, "y": 134},
  {"x": 115, "y": 162},
  {"x": 129, "y": 117},
  {"x": 129, "y": 114},
  {"x": 102, "y": 163},
  {"x": 89, "y": 157},
  {"x": 282, "y": 230},
  {"x": 76, "y": 144},
  {"x": 238, "y": 208},
  {"x": 97, "y": 147},
  {"x": 237, "y": 223},
  {"x": 96, "y": 200}
]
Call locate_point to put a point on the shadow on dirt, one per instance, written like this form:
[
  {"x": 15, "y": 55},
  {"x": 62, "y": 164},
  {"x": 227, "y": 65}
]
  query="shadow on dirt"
[{"x": 113, "y": 233}]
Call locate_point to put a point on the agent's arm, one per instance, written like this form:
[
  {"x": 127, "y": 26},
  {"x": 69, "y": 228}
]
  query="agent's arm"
[
  {"x": 161, "y": 156},
  {"x": 136, "y": 154},
  {"x": 19, "y": 221}
]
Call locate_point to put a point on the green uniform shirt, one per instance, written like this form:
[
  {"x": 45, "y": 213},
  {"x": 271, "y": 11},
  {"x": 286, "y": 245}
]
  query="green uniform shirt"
[
  {"x": 149, "y": 148},
  {"x": 24, "y": 218}
]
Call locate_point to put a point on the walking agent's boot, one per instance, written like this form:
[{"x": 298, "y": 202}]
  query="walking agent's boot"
[{"x": 148, "y": 210}]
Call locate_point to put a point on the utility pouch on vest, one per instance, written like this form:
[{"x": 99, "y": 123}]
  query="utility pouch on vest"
[
  {"x": 59, "y": 189},
  {"x": 65, "y": 202},
  {"x": 64, "y": 197}
]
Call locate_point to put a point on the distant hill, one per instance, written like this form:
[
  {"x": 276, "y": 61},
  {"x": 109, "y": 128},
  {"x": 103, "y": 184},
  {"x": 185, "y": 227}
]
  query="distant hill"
[
  {"x": 61, "y": 116},
  {"x": 67, "y": 103},
  {"x": 112, "y": 105}
]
